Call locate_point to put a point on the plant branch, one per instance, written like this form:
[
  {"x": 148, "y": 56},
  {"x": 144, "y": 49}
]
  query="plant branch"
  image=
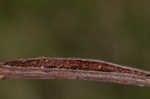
[{"x": 73, "y": 68}]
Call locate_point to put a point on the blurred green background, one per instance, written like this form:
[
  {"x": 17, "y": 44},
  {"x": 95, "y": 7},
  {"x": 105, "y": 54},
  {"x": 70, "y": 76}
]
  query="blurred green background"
[{"x": 112, "y": 30}]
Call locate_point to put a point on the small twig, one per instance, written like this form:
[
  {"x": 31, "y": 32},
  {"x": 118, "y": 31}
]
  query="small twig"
[{"x": 73, "y": 68}]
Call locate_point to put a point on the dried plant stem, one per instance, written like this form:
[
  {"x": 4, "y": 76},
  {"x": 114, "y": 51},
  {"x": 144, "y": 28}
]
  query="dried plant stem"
[{"x": 73, "y": 68}]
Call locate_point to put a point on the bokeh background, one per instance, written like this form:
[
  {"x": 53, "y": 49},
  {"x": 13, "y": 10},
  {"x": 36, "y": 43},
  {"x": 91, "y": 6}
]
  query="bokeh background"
[{"x": 112, "y": 30}]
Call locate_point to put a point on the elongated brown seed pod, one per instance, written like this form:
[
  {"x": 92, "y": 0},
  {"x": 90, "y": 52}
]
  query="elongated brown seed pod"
[{"x": 73, "y": 68}]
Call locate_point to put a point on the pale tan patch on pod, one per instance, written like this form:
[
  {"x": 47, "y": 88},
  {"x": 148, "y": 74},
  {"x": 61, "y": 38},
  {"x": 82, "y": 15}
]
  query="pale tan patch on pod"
[{"x": 99, "y": 67}]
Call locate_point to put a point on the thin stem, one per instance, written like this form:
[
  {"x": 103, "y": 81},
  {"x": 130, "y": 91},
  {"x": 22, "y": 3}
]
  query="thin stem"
[{"x": 73, "y": 68}]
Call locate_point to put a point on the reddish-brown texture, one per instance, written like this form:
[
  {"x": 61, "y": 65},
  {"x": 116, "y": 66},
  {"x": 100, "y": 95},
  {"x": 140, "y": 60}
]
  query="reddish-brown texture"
[
  {"x": 73, "y": 64},
  {"x": 72, "y": 68}
]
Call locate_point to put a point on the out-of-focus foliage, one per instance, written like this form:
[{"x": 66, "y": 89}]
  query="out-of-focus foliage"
[{"x": 116, "y": 31}]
